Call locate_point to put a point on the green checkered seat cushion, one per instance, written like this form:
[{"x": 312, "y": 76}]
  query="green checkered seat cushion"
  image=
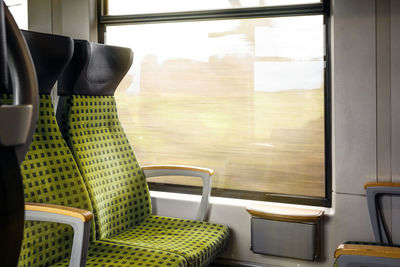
[
  {"x": 50, "y": 175},
  {"x": 199, "y": 242},
  {"x": 113, "y": 177},
  {"x": 116, "y": 184},
  {"x": 114, "y": 255},
  {"x": 118, "y": 189}
]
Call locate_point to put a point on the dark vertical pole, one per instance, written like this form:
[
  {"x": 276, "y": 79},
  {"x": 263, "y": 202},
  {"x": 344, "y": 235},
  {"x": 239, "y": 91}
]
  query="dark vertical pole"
[
  {"x": 3, "y": 48},
  {"x": 328, "y": 103},
  {"x": 102, "y": 9},
  {"x": 11, "y": 187},
  {"x": 11, "y": 207}
]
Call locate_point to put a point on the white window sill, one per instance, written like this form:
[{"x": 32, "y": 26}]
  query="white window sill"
[{"x": 235, "y": 202}]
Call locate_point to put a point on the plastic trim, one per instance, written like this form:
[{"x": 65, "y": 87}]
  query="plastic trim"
[
  {"x": 173, "y": 170},
  {"x": 81, "y": 232}
]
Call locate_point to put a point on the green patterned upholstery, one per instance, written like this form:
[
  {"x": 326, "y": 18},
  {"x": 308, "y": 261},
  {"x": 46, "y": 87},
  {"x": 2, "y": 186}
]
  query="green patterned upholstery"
[
  {"x": 199, "y": 242},
  {"x": 50, "y": 175},
  {"x": 118, "y": 189},
  {"x": 116, "y": 184},
  {"x": 45, "y": 243},
  {"x": 106, "y": 254}
]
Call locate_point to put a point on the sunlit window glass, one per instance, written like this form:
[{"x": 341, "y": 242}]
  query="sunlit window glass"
[
  {"x": 120, "y": 7},
  {"x": 19, "y": 10},
  {"x": 243, "y": 96}
]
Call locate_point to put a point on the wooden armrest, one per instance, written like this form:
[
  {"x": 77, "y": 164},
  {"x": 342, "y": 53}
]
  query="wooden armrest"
[
  {"x": 381, "y": 184},
  {"x": 367, "y": 250},
  {"x": 285, "y": 214},
  {"x": 84, "y": 215},
  {"x": 178, "y": 167}
]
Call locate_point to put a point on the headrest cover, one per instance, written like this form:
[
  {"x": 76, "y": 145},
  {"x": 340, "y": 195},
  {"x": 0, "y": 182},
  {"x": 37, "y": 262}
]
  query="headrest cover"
[
  {"x": 51, "y": 54},
  {"x": 95, "y": 69}
]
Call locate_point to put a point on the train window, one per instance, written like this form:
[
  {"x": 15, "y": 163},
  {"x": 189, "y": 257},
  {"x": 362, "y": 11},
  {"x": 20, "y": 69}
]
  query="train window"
[
  {"x": 246, "y": 96},
  {"x": 120, "y": 7},
  {"x": 19, "y": 10}
]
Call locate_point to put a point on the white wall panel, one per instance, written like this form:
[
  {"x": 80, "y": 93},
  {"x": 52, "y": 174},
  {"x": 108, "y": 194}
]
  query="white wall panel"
[
  {"x": 395, "y": 106},
  {"x": 75, "y": 18},
  {"x": 395, "y": 88},
  {"x": 383, "y": 93},
  {"x": 355, "y": 94},
  {"x": 383, "y": 101}
]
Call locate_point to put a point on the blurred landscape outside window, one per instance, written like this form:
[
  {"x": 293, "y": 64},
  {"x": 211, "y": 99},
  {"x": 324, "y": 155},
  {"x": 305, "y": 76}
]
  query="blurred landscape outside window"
[
  {"x": 122, "y": 7},
  {"x": 244, "y": 97}
]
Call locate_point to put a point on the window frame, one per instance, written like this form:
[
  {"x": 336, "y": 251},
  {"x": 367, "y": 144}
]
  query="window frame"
[{"x": 322, "y": 8}]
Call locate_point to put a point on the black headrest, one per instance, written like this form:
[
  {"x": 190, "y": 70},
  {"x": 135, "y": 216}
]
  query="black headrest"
[
  {"x": 95, "y": 69},
  {"x": 50, "y": 54}
]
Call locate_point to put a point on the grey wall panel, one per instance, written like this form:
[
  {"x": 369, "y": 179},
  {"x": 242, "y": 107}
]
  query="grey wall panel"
[
  {"x": 56, "y": 16},
  {"x": 395, "y": 88},
  {"x": 383, "y": 101},
  {"x": 39, "y": 14},
  {"x": 75, "y": 19},
  {"x": 395, "y": 106},
  {"x": 350, "y": 222},
  {"x": 355, "y": 94},
  {"x": 93, "y": 21},
  {"x": 383, "y": 90},
  {"x": 285, "y": 239}
]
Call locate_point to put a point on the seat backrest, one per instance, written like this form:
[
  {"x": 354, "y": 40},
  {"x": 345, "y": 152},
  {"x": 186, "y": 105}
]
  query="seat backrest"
[
  {"x": 89, "y": 119},
  {"x": 50, "y": 174}
]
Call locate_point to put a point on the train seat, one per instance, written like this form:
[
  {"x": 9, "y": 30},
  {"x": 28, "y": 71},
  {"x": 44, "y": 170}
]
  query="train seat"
[
  {"x": 54, "y": 191},
  {"x": 382, "y": 252},
  {"x": 116, "y": 183}
]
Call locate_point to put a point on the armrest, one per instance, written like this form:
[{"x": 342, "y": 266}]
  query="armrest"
[
  {"x": 164, "y": 168},
  {"x": 83, "y": 215},
  {"x": 381, "y": 184},
  {"x": 374, "y": 191},
  {"x": 285, "y": 214},
  {"x": 367, "y": 250},
  {"x": 80, "y": 221},
  {"x": 179, "y": 170}
]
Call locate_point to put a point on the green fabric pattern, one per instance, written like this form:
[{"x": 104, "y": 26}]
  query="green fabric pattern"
[
  {"x": 199, "y": 242},
  {"x": 50, "y": 175},
  {"x": 118, "y": 188},
  {"x": 45, "y": 243},
  {"x": 113, "y": 255},
  {"x": 6, "y": 99},
  {"x": 116, "y": 184}
]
